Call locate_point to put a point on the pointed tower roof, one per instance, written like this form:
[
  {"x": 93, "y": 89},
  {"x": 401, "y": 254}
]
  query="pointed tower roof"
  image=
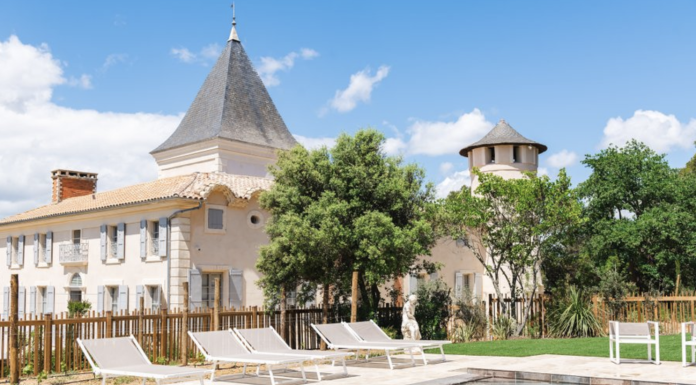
[
  {"x": 502, "y": 133},
  {"x": 232, "y": 104}
]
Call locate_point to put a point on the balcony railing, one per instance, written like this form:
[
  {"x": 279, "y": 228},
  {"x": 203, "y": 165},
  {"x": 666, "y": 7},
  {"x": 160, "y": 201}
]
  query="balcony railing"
[
  {"x": 154, "y": 246},
  {"x": 74, "y": 254}
]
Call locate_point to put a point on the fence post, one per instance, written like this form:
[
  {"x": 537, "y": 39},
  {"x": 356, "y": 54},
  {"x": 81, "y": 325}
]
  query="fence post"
[
  {"x": 354, "y": 298},
  {"x": 254, "y": 317},
  {"x": 141, "y": 307},
  {"x": 109, "y": 331},
  {"x": 216, "y": 306},
  {"x": 163, "y": 337},
  {"x": 14, "y": 329},
  {"x": 48, "y": 339},
  {"x": 184, "y": 327}
]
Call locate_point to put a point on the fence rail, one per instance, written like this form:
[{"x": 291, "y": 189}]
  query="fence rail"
[{"x": 670, "y": 311}]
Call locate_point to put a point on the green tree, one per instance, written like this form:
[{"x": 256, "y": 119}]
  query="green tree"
[
  {"x": 512, "y": 226},
  {"x": 640, "y": 212},
  {"x": 345, "y": 209}
]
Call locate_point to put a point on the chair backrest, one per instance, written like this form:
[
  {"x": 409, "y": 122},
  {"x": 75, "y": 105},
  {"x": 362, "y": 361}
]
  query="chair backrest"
[
  {"x": 337, "y": 334},
  {"x": 220, "y": 343},
  {"x": 117, "y": 352},
  {"x": 630, "y": 329},
  {"x": 263, "y": 340},
  {"x": 369, "y": 331}
]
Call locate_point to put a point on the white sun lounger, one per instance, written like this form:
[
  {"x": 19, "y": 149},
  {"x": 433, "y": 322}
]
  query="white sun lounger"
[
  {"x": 338, "y": 336},
  {"x": 225, "y": 346},
  {"x": 369, "y": 331},
  {"x": 267, "y": 340},
  {"x": 633, "y": 333},
  {"x": 123, "y": 356}
]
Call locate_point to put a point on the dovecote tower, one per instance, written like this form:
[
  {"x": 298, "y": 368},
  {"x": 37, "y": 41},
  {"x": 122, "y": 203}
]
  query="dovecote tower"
[
  {"x": 232, "y": 125},
  {"x": 504, "y": 152}
]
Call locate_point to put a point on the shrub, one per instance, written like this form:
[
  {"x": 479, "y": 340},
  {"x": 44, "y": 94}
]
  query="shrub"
[
  {"x": 503, "y": 327},
  {"x": 78, "y": 308},
  {"x": 574, "y": 317},
  {"x": 433, "y": 309},
  {"x": 470, "y": 319}
]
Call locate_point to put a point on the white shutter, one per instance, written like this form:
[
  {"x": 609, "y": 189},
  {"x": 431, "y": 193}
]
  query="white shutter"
[
  {"x": 139, "y": 292},
  {"x": 163, "y": 222},
  {"x": 49, "y": 247},
  {"x": 121, "y": 241},
  {"x": 477, "y": 286},
  {"x": 100, "y": 299},
  {"x": 36, "y": 249},
  {"x": 143, "y": 239},
  {"x": 6, "y": 303},
  {"x": 21, "y": 301},
  {"x": 9, "y": 251},
  {"x": 123, "y": 298},
  {"x": 236, "y": 289},
  {"x": 195, "y": 288},
  {"x": 102, "y": 240},
  {"x": 458, "y": 284},
  {"x": 32, "y": 300},
  {"x": 50, "y": 299},
  {"x": 20, "y": 251}
]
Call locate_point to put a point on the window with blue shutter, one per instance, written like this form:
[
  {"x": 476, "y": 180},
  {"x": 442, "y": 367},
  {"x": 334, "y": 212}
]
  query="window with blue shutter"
[
  {"x": 163, "y": 224},
  {"x": 20, "y": 250},
  {"x": 49, "y": 247},
  {"x": 36, "y": 249},
  {"x": 102, "y": 242},
  {"x": 121, "y": 241},
  {"x": 143, "y": 238},
  {"x": 236, "y": 288}
]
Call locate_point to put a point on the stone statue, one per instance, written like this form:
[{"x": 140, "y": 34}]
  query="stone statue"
[{"x": 409, "y": 325}]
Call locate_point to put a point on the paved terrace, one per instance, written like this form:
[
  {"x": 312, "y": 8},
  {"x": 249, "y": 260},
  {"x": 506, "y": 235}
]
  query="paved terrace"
[{"x": 462, "y": 369}]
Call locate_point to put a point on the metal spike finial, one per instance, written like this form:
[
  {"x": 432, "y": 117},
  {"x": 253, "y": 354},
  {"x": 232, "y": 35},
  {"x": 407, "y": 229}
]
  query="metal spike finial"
[
  {"x": 234, "y": 18},
  {"x": 233, "y": 33}
]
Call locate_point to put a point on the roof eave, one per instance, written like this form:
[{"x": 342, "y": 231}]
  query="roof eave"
[{"x": 465, "y": 151}]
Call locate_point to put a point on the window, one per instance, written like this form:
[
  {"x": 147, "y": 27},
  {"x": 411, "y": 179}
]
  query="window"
[
  {"x": 215, "y": 217},
  {"x": 15, "y": 250},
  {"x": 112, "y": 234},
  {"x": 154, "y": 293},
  {"x": 77, "y": 237},
  {"x": 515, "y": 154},
  {"x": 154, "y": 237},
  {"x": 113, "y": 296},
  {"x": 208, "y": 289},
  {"x": 42, "y": 247},
  {"x": 76, "y": 287},
  {"x": 41, "y": 300},
  {"x": 491, "y": 154}
]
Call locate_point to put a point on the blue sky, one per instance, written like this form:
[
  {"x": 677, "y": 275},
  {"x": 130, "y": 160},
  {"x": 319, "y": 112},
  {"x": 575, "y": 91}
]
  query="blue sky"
[{"x": 95, "y": 86}]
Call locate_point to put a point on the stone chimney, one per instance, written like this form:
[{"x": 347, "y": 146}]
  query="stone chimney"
[{"x": 70, "y": 184}]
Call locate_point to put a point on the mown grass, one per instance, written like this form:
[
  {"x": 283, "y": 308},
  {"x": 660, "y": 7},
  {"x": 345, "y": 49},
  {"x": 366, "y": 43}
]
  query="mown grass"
[{"x": 670, "y": 348}]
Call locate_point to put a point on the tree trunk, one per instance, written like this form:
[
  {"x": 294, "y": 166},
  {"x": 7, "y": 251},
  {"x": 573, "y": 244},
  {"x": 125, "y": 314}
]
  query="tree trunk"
[
  {"x": 354, "y": 298},
  {"x": 325, "y": 310},
  {"x": 283, "y": 314}
]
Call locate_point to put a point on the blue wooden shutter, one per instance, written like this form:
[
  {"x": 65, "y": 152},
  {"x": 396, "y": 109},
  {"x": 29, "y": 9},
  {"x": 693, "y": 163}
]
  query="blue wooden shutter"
[
  {"x": 121, "y": 240},
  {"x": 102, "y": 240},
  {"x": 100, "y": 299},
  {"x": 5, "y": 303},
  {"x": 20, "y": 251},
  {"x": 477, "y": 286},
  {"x": 32, "y": 301},
  {"x": 9, "y": 251},
  {"x": 236, "y": 288},
  {"x": 195, "y": 288},
  {"x": 412, "y": 284},
  {"x": 50, "y": 299},
  {"x": 143, "y": 239},
  {"x": 163, "y": 222},
  {"x": 123, "y": 298},
  {"x": 49, "y": 247},
  {"x": 458, "y": 284},
  {"x": 36, "y": 249},
  {"x": 139, "y": 292},
  {"x": 21, "y": 301}
]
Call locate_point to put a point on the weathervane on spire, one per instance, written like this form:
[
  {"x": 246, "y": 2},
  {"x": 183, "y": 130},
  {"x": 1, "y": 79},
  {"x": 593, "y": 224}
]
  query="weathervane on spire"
[{"x": 233, "y": 33}]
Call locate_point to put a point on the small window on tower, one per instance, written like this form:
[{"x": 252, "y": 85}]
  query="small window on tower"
[
  {"x": 491, "y": 154},
  {"x": 215, "y": 219}
]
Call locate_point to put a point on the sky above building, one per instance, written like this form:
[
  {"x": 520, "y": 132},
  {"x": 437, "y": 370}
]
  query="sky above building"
[{"x": 95, "y": 86}]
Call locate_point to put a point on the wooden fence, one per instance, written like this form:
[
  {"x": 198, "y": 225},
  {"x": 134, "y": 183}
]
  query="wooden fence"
[
  {"x": 514, "y": 308},
  {"x": 49, "y": 344},
  {"x": 670, "y": 311}
]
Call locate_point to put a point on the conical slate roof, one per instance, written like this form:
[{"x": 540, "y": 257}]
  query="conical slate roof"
[
  {"x": 502, "y": 133},
  {"x": 232, "y": 104}
]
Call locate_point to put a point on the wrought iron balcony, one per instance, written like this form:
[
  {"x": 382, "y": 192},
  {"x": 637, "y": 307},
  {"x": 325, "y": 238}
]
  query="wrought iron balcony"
[{"x": 74, "y": 254}]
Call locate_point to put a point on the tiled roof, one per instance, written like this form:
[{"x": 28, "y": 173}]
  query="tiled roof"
[
  {"x": 232, "y": 104},
  {"x": 195, "y": 186},
  {"x": 502, "y": 133}
]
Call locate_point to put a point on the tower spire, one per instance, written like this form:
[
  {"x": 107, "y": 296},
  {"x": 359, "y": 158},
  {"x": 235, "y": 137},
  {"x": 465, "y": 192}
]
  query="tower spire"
[{"x": 233, "y": 33}]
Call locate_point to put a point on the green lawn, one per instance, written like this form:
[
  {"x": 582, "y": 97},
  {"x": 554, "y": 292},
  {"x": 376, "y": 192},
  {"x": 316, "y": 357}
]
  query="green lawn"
[{"x": 670, "y": 348}]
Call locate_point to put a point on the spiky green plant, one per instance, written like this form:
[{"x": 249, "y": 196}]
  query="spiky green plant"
[{"x": 574, "y": 318}]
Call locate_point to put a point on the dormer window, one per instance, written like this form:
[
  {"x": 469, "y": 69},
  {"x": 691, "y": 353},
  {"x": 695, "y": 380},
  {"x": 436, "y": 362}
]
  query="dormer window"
[
  {"x": 515, "y": 154},
  {"x": 491, "y": 154}
]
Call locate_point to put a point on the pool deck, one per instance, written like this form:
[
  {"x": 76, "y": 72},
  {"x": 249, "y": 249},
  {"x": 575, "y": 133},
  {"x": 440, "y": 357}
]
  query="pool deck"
[{"x": 460, "y": 369}]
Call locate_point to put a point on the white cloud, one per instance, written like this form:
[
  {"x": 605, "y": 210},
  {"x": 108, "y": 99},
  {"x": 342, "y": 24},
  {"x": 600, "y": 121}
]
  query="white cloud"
[
  {"x": 542, "y": 171},
  {"x": 184, "y": 55},
  {"x": 394, "y": 146},
  {"x": 446, "y": 167},
  {"x": 206, "y": 54},
  {"x": 454, "y": 182},
  {"x": 314, "y": 143},
  {"x": 359, "y": 89},
  {"x": 112, "y": 60},
  {"x": 561, "y": 159},
  {"x": 659, "y": 131},
  {"x": 39, "y": 136},
  {"x": 84, "y": 82},
  {"x": 270, "y": 66},
  {"x": 211, "y": 51},
  {"x": 447, "y": 138}
]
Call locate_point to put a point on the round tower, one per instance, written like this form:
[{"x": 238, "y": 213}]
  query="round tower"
[{"x": 504, "y": 152}]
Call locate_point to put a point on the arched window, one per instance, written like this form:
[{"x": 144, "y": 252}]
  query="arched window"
[
  {"x": 76, "y": 287},
  {"x": 76, "y": 280}
]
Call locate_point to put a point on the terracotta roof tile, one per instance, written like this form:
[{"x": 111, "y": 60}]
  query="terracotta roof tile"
[{"x": 195, "y": 186}]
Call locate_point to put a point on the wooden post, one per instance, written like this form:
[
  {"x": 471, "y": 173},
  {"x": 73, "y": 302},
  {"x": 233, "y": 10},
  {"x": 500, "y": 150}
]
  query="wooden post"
[
  {"x": 163, "y": 338},
  {"x": 254, "y": 317},
  {"x": 184, "y": 327},
  {"x": 141, "y": 326},
  {"x": 543, "y": 315},
  {"x": 48, "y": 339},
  {"x": 354, "y": 298},
  {"x": 14, "y": 329},
  {"x": 284, "y": 314},
  {"x": 109, "y": 331},
  {"x": 216, "y": 306}
]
